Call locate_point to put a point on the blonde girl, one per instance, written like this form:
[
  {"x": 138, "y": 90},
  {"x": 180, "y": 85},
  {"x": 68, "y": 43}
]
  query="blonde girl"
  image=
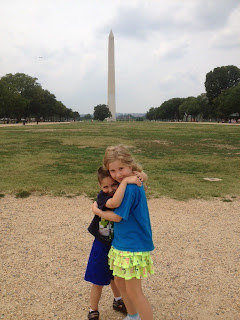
[{"x": 129, "y": 256}]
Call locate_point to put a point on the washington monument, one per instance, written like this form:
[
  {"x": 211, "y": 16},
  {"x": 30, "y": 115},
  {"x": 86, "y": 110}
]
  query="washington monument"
[{"x": 111, "y": 77}]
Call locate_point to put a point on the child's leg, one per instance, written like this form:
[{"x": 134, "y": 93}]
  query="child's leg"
[
  {"x": 120, "y": 282},
  {"x": 140, "y": 302},
  {"x": 116, "y": 292},
  {"x": 118, "y": 303},
  {"x": 96, "y": 292}
]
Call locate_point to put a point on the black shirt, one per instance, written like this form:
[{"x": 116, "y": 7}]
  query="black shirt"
[{"x": 93, "y": 228}]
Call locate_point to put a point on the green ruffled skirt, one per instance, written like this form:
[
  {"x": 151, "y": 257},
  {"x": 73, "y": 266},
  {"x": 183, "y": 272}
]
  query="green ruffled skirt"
[{"x": 128, "y": 265}]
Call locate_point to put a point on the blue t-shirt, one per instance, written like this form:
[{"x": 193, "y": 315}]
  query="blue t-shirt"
[{"x": 133, "y": 233}]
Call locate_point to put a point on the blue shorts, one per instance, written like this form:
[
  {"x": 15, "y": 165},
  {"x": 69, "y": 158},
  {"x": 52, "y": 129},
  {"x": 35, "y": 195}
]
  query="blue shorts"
[{"x": 98, "y": 271}]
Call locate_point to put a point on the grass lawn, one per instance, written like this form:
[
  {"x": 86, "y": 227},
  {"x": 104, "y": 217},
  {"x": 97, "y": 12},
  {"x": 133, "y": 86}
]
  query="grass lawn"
[{"x": 62, "y": 159}]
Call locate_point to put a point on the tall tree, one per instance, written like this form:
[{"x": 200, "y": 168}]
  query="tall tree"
[
  {"x": 101, "y": 112},
  {"x": 6, "y": 100},
  {"x": 228, "y": 102},
  {"x": 60, "y": 110},
  {"x": 76, "y": 116},
  {"x": 190, "y": 107},
  {"x": 35, "y": 97},
  {"x": 48, "y": 107},
  {"x": 219, "y": 79},
  {"x": 22, "y": 96},
  {"x": 169, "y": 109},
  {"x": 19, "y": 82},
  {"x": 151, "y": 114},
  {"x": 17, "y": 100},
  {"x": 12, "y": 103},
  {"x": 205, "y": 109}
]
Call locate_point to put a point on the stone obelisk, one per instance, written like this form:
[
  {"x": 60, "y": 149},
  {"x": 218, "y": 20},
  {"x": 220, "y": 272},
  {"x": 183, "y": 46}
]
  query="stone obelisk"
[{"x": 111, "y": 77}]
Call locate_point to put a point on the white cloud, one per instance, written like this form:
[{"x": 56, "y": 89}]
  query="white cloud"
[
  {"x": 229, "y": 36},
  {"x": 174, "y": 49},
  {"x": 162, "y": 49}
]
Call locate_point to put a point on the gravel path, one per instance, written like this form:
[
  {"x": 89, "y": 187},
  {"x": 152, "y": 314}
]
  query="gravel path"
[{"x": 44, "y": 247}]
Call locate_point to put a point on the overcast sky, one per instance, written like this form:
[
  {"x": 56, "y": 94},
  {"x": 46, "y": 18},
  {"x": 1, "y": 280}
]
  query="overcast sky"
[{"x": 163, "y": 49}]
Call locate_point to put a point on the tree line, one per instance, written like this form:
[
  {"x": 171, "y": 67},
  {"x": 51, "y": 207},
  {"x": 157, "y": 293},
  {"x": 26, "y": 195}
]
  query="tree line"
[
  {"x": 22, "y": 97},
  {"x": 221, "y": 100}
]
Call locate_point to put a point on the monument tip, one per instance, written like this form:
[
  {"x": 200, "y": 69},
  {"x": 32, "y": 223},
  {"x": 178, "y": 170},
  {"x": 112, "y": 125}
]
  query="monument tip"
[{"x": 111, "y": 33}]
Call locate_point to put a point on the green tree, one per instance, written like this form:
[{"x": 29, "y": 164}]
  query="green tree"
[
  {"x": 35, "y": 98},
  {"x": 22, "y": 96},
  {"x": 190, "y": 107},
  {"x": 6, "y": 100},
  {"x": 17, "y": 101},
  {"x": 228, "y": 102},
  {"x": 48, "y": 105},
  {"x": 151, "y": 114},
  {"x": 68, "y": 114},
  {"x": 101, "y": 112},
  {"x": 12, "y": 103},
  {"x": 219, "y": 79},
  {"x": 170, "y": 109},
  {"x": 87, "y": 116},
  {"x": 76, "y": 116},
  {"x": 205, "y": 109},
  {"x": 60, "y": 110},
  {"x": 19, "y": 82}
]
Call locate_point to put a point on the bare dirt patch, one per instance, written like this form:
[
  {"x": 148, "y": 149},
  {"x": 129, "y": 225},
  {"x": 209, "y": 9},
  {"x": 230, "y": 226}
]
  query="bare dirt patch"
[{"x": 45, "y": 246}]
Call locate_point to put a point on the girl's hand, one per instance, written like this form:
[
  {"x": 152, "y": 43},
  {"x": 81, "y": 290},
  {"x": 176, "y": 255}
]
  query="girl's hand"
[
  {"x": 134, "y": 180},
  {"x": 94, "y": 207},
  {"x": 141, "y": 175}
]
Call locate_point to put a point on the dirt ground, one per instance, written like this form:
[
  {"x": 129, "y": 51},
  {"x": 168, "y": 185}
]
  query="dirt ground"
[{"x": 44, "y": 247}]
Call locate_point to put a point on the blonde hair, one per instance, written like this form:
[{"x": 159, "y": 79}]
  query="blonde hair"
[{"x": 121, "y": 153}]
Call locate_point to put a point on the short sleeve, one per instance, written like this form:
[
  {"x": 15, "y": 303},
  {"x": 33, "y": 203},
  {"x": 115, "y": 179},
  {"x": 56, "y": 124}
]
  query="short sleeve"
[{"x": 124, "y": 209}]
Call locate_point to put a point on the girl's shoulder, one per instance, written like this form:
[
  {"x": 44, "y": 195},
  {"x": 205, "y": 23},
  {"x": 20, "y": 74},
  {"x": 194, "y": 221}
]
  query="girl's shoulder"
[{"x": 134, "y": 189}]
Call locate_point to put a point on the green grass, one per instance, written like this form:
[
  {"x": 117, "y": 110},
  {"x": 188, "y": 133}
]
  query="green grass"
[
  {"x": 23, "y": 194},
  {"x": 62, "y": 159}
]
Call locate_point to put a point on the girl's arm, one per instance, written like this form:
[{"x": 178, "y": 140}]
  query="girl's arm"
[
  {"x": 117, "y": 198},
  {"x": 141, "y": 175},
  {"x": 108, "y": 215}
]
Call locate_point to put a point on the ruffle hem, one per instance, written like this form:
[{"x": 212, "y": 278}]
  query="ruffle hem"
[{"x": 128, "y": 265}]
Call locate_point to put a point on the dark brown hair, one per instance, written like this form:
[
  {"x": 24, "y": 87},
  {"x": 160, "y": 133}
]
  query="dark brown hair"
[{"x": 102, "y": 173}]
